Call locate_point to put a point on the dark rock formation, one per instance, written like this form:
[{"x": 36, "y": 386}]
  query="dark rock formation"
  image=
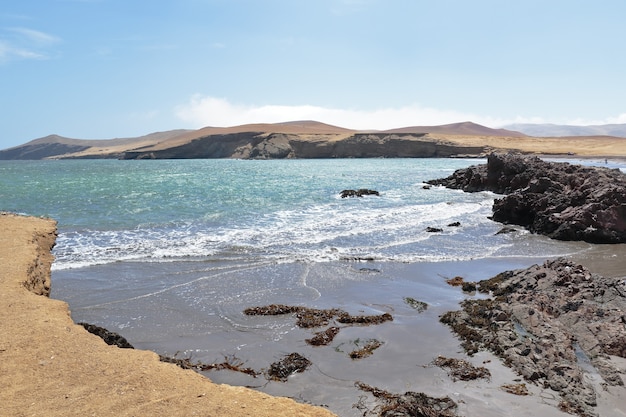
[
  {"x": 109, "y": 337},
  {"x": 551, "y": 324},
  {"x": 560, "y": 200},
  {"x": 358, "y": 193}
]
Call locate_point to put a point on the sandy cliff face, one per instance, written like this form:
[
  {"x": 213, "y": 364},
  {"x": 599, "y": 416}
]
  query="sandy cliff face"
[{"x": 57, "y": 368}]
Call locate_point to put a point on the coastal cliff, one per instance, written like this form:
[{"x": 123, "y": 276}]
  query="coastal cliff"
[
  {"x": 259, "y": 145},
  {"x": 57, "y": 368}
]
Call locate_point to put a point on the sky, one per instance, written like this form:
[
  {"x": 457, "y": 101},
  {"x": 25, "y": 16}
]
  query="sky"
[{"x": 100, "y": 69}]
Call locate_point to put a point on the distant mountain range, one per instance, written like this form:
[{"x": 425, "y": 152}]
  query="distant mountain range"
[
  {"x": 552, "y": 130},
  {"x": 311, "y": 139}
]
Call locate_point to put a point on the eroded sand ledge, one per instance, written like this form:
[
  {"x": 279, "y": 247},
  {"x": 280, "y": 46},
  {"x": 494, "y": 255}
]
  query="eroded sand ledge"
[{"x": 50, "y": 366}]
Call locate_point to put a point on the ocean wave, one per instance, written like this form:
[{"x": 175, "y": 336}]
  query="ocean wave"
[{"x": 324, "y": 232}]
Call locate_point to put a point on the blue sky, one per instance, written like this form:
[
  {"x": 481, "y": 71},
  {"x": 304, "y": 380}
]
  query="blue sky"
[{"x": 96, "y": 69}]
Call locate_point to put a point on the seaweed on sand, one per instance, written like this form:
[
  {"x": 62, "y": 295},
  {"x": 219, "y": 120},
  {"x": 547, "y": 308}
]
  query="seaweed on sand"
[
  {"x": 455, "y": 282},
  {"x": 461, "y": 369},
  {"x": 369, "y": 348},
  {"x": 420, "y": 306},
  {"x": 324, "y": 337},
  {"x": 231, "y": 363},
  {"x": 307, "y": 317},
  {"x": 271, "y": 310},
  {"x": 460, "y": 282},
  {"x": 346, "y": 318},
  {"x": 290, "y": 364},
  {"x": 409, "y": 404},
  {"x": 312, "y": 317},
  {"x": 183, "y": 363}
]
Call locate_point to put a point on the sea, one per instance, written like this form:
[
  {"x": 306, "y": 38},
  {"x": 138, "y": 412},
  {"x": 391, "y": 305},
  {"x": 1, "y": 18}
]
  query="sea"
[{"x": 169, "y": 253}]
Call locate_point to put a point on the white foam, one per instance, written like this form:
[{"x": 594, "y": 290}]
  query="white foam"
[{"x": 301, "y": 234}]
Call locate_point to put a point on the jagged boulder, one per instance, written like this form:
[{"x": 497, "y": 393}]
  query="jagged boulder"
[{"x": 557, "y": 199}]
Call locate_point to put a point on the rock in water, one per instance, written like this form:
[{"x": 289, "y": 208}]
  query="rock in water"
[{"x": 556, "y": 199}]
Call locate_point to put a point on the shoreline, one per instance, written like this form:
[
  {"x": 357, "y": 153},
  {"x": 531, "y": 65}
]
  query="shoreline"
[{"x": 57, "y": 368}]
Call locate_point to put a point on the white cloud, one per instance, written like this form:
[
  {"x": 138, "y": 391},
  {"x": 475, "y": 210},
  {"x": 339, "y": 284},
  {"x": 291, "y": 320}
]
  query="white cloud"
[
  {"x": 618, "y": 120},
  {"x": 35, "y": 36},
  {"x": 203, "y": 111},
  {"x": 26, "y": 44},
  {"x": 9, "y": 52}
]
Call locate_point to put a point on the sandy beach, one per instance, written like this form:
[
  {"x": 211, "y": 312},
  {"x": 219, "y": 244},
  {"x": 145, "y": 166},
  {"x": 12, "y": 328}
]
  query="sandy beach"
[{"x": 50, "y": 366}]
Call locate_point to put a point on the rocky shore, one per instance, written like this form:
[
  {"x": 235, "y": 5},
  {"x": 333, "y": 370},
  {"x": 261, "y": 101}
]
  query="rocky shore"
[
  {"x": 51, "y": 366},
  {"x": 560, "y": 200},
  {"x": 557, "y": 325}
]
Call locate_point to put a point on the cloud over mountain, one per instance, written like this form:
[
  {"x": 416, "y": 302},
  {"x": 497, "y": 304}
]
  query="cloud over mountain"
[{"x": 202, "y": 111}]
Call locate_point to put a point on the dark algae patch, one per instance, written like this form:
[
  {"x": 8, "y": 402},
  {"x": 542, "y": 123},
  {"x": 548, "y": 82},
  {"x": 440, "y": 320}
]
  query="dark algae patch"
[
  {"x": 409, "y": 404},
  {"x": 308, "y": 318},
  {"x": 420, "y": 306},
  {"x": 290, "y": 364},
  {"x": 323, "y": 338},
  {"x": 459, "y": 369},
  {"x": 346, "y": 318},
  {"x": 271, "y": 310},
  {"x": 311, "y": 317},
  {"x": 367, "y": 349}
]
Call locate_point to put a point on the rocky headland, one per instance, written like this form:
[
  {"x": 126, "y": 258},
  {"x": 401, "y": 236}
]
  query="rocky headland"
[{"x": 560, "y": 200}]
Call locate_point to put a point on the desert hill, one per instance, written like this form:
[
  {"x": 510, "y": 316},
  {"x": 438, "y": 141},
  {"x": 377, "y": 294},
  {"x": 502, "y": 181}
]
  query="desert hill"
[
  {"x": 58, "y": 146},
  {"x": 463, "y": 128},
  {"x": 312, "y": 139}
]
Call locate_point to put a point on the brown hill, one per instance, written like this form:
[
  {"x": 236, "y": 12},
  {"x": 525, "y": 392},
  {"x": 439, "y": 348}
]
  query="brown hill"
[
  {"x": 463, "y": 128},
  {"x": 58, "y": 146}
]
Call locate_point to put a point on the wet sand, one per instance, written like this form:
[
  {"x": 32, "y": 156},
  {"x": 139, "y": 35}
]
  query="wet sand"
[{"x": 209, "y": 333}]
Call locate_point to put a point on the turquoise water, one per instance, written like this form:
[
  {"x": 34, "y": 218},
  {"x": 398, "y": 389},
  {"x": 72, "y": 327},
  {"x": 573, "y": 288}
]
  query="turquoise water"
[{"x": 111, "y": 210}]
